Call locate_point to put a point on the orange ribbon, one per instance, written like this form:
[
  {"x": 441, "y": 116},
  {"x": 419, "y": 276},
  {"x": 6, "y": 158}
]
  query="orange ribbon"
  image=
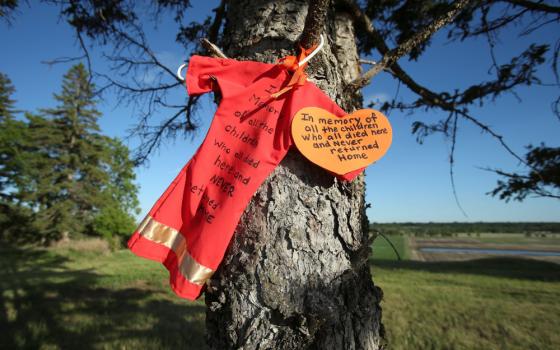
[{"x": 291, "y": 63}]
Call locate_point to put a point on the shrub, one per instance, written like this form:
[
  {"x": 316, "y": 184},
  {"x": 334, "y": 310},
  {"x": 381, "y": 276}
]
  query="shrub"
[{"x": 114, "y": 225}]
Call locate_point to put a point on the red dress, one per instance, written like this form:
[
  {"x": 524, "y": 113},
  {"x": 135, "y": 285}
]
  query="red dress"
[{"x": 190, "y": 226}]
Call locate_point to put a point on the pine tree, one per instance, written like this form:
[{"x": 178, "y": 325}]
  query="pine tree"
[
  {"x": 70, "y": 191},
  {"x": 59, "y": 175},
  {"x": 12, "y": 138},
  {"x": 6, "y": 101},
  {"x": 7, "y": 127},
  {"x": 14, "y": 217}
]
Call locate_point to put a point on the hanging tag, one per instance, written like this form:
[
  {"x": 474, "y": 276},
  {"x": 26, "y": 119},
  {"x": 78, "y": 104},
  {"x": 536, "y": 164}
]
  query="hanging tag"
[{"x": 341, "y": 144}]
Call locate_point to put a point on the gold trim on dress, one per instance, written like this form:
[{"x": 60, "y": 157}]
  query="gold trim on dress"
[{"x": 167, "y": 236}]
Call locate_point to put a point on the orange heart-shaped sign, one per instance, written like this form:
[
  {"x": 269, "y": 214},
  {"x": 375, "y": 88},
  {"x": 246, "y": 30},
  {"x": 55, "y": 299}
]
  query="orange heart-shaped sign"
[{"x": 341, "y": 144}]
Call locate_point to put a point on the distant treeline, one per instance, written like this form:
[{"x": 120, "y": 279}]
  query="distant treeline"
[{"x": 452, "y": 228}]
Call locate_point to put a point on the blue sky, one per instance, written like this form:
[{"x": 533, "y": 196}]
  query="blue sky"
[{"x": 411, "y": 183}]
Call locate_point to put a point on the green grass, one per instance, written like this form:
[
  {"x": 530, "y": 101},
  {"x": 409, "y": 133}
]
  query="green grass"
[
  {"x": 382, "y": 249},
  {"x": 64, "y": 299},
  {"x": 484, "y": 304}
]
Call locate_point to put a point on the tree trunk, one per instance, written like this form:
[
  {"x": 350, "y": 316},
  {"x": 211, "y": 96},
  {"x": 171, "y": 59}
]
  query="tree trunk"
[{"x": 296, "y": 274}]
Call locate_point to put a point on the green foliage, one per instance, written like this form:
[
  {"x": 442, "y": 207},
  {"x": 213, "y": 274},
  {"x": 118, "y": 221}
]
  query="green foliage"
[
  {"x": 10, "y": 134},
  {"x": 113, "y": 224},
  {"x": 16, "y": 224},
  {"x": 6, "y": 101},
  {"x": 13, "y": 137},
  {"x": 121, "y": 188},
  {"x": 453, "y": 228},
  {"x": 60, "y": 169}
]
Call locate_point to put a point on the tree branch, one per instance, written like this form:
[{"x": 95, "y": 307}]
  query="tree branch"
[
  {"x": 393, "y": 55},
  {"x": 433, "y": 99},
  {"x": 314, "y": 22},
  {"x": 452, "y": 163},
  {"x": 370, "y": 62},
  {"x": 214, "y": 30},
  {"x": 143, "y": 47},
  {"x": 152, "y": 136},
  {"x": 212, "y": 49},
  {"x": 535, "y": 6},
  {"x": 86, "y": 55}
]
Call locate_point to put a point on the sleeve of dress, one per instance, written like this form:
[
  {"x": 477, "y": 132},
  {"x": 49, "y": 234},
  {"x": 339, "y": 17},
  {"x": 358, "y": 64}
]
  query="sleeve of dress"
[
  {"x": 228, "y": 76},
  {"x": 200, "y": 74}
]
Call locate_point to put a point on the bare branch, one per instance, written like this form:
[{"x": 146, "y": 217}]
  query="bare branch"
[
  {"x": 452, "y": 163},
  {"x": 535, "y": 6},
  {"x": 212, "y": 49},
  {"x": 498, "y": 137},
  {"x": 143, "y": 89},
  {"x": 556, "y": 108},
  {"x": 86, "y": 54},
  {"x": 370, "y": 62},
  {"x": 393, "y": 55},
  {"x": 152, "y": 137},
  {"x": 63, "y": 60}
]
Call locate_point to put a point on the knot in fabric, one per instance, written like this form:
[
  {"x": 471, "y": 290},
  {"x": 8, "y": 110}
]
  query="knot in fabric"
[{"x": 292, "y": 64}]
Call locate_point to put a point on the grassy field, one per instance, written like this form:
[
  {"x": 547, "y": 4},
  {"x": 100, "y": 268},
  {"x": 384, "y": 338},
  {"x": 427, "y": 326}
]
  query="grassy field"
[
  {"x": 64, "y": 299},
  {"x": 382, "y": 249},
  {"x": 492, "y": 303},
  {"x": 90, "y": 299}
]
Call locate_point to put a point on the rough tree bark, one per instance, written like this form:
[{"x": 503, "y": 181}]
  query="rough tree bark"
[{"x": 296, "y": 274}]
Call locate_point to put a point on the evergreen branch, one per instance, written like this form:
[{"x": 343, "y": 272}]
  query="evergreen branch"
[
  {"x": 515, "y": 177},
  {"x": 507, "y": 79}
]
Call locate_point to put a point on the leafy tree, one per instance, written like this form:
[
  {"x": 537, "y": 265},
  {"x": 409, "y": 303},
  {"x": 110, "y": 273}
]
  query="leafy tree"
[
  {"x": 119, "y": 166},
  {"x": 115, "y": 219},
  {"x": 113, "y": 224}
]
